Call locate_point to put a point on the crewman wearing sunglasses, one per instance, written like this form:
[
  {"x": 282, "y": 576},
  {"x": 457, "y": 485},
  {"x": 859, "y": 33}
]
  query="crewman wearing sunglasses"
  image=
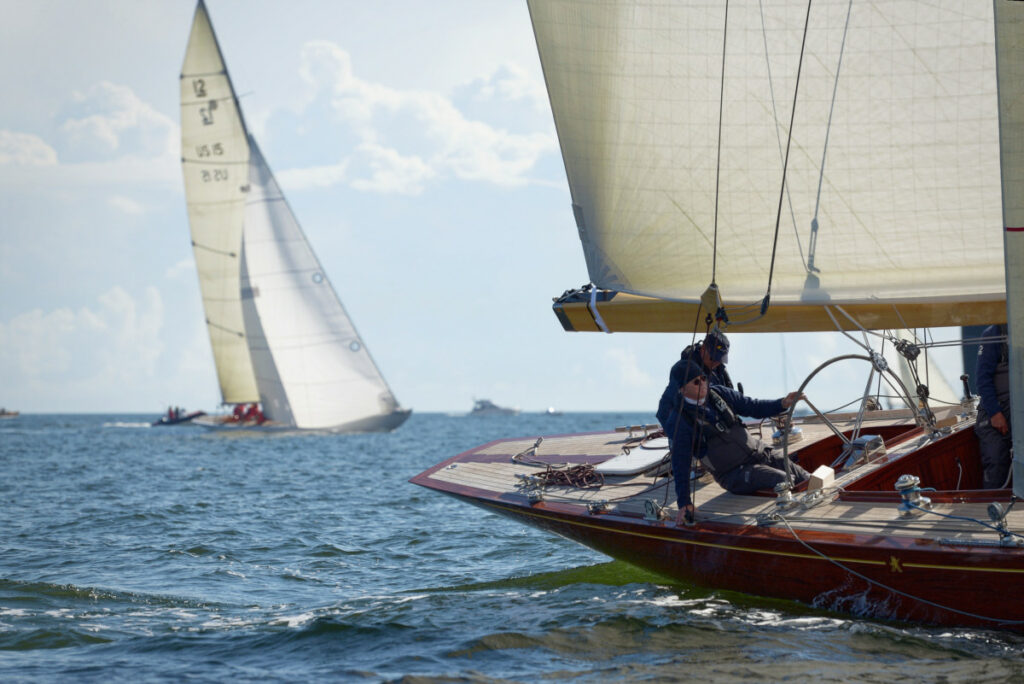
[{"x": 703, "y": 425}]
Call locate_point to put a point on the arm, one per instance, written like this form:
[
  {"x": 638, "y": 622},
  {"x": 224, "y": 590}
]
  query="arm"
[{"x": 746, "y": 406}]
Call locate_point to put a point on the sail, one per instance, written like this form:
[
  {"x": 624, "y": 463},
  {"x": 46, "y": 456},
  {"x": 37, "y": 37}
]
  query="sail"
[
  {"x": 312, "y": 368},
  {"x": 1009, "y": 37},
  {"x": 215, "y": 162},
  {"x": 891, "y": 200}
]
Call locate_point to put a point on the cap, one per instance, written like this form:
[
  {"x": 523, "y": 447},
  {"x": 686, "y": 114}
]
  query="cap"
[
  {"x": 717, "y": 345},
  {"x": 691, "y": 371}
]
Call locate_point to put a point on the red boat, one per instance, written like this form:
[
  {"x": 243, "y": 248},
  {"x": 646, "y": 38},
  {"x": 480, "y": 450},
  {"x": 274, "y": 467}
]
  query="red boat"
[
  {"x": 782, "y": 167},
  {"x": 853, "y": 546}
]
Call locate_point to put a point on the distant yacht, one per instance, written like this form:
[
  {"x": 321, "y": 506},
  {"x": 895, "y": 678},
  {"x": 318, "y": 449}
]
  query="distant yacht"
[
  {"x": 4, "y": 413},
  {"x": 552, "y": 411},
  {"x": 485, "y": 407}
]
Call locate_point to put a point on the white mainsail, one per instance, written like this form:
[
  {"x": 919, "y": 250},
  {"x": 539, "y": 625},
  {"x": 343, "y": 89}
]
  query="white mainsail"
[
  {"x": 215, "y": 162},
  {"x": 280, "y": 334},
  {"x": 892, "y": 187}
]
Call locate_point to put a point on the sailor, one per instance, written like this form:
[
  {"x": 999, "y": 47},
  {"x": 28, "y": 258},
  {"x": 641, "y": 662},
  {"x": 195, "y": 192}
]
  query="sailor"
[
  {"x": 993, "y": 424},
  {"x": 709, "y": 355},
  {"x": 704, "y": 425}
]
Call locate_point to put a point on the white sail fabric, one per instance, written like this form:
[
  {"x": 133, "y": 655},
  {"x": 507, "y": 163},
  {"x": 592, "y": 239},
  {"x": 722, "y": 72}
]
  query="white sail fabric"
[
  {"x": 312, "y": 368},
  {"x": 1009, "y": 37},
  {"x": 894, "y": 153},
  {"x": 215, "y": 161}
]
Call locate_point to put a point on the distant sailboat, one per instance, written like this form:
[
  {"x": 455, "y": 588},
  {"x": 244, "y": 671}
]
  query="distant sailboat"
[{"x": 279, "y": 333}]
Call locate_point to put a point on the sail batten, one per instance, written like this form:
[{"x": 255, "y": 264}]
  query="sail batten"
[{"x": 891, "y": 191}]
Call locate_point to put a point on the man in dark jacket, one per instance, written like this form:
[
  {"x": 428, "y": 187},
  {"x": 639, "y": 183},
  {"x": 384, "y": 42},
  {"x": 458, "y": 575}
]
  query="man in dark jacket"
[
  {"x": 709, "y": 355},
  {"x": 704, "y": 425},
  {"x": 993, "y": 424}
]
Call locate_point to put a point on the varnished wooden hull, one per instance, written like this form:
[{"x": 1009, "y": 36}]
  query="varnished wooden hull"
[{"x": 876, "y": 563}]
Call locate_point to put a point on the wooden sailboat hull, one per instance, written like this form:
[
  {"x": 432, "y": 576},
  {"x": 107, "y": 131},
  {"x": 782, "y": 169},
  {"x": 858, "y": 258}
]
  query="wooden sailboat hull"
[
  {"x": 378, "y": 423},
  {"x": 856, "y": 554}
]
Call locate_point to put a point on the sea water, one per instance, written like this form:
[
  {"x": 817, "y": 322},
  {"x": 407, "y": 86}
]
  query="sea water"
[{"x": 130, "y": 552}]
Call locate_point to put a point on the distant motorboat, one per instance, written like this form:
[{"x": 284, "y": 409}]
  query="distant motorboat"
[
  {"x": 177, "y": 416},
  {"x": 552, "y": 411},
  {"x": 4, "y": 413},
  {"x": 486, "y": 407}
]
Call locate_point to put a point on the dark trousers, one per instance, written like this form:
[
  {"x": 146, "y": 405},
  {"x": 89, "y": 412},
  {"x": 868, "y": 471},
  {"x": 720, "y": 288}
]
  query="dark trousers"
[
  {"x": 995, "y": 452},
  {"x": 768, "y": 471}
]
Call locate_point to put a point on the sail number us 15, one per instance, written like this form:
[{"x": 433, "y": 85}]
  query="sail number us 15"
[{"x": 211, "y": 150}]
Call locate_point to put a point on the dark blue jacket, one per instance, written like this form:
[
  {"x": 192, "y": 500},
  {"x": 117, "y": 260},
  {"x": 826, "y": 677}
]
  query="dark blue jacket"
[
  {"x": 989, "y": 356},
  {"x": 687, "y": 446},
  {"x": 678, "y": 375}
]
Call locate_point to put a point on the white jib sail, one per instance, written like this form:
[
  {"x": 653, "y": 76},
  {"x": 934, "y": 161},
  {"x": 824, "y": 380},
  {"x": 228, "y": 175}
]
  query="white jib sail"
[
  {"x": 894, "y": 154},
  {"x": 313, "y": 369},
  {"x": 215, "y": 162}
]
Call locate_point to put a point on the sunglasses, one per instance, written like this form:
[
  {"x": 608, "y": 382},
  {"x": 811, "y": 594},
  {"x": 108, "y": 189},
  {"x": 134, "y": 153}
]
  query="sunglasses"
[{"x": 699, "y": 379}]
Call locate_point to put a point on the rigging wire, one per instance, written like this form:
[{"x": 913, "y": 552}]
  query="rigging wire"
[
  {"x": 718, "y": 162},
  {"x": 785, "y": 163}
]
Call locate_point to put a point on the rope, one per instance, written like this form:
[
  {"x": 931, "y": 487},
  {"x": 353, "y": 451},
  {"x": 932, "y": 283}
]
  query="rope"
[
  {"x": 582, "y": 476},
  {"x": 904, "y": 594}
]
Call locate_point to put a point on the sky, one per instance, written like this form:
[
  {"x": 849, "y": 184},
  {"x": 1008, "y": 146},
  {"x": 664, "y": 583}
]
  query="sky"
[{"x": 415, "y": 145}]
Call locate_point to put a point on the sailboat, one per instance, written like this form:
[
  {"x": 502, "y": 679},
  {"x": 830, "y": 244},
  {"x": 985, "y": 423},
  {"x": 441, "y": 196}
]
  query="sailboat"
[
  {"x": 283, "y": 344},
  {"x": 753, "y": 167}
]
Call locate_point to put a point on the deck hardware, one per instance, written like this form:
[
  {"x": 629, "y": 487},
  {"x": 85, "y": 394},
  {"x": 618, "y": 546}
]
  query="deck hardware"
[
  {"x": 791, "y": 435},
  {"x": 768, "y": 519},
  {"x": 863, "y": 449},
  {"x": 785, "y": 498},
  {"x": 653, "y": 510},
  {"x": 535, "y": 495},
  {"x": 595, "y": 507},
  {"x": 643, "y": 430},
  {"x": 909, "y": 488},
  {"x": 997, "y": 514}
]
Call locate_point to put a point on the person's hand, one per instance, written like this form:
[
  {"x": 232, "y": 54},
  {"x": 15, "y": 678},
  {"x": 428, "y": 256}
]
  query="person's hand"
[
  {"x": 998, "y": 421},
  {"x": 687, "y": 515},
  {"x": 791, "y": 399}
]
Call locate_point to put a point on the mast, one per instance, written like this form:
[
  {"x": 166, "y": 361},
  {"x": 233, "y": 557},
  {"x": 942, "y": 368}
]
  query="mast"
[{"x": 1009, "y": 29}]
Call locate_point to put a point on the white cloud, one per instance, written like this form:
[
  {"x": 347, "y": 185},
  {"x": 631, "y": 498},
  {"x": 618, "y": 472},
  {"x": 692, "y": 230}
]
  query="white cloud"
[
  {"x": 110, "y": 121},
  {"x": 116, "y": 342},
  {"x": 511, "y": 83},
  {"x": 186, "y": 268},
  {"x": 624, "y": 363},
  {"x": 393, "y": 173},
  {"x": 314, "y": 176},
  {"x": 25, "y": 149},
  {"x": 127, "y": 205},
  {"x": 410, "y": 137}
]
